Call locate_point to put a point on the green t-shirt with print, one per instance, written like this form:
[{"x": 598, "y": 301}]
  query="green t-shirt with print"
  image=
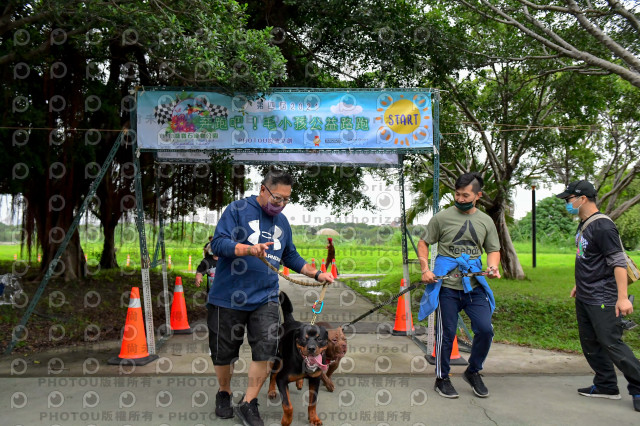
[{"x": 457, "y": 233}]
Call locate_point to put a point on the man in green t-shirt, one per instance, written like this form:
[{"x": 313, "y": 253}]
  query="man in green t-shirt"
[{"x": 461, "y": 232}]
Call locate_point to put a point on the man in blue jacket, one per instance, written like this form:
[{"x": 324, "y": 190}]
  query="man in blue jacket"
[
  {"x": 461, "y": 232},
  {"x": 245, "y": 291}
]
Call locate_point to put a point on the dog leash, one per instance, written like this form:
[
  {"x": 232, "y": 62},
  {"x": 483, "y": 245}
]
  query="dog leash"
[
  {"x": 408, "y": 289},
  {"x": 320, "y": 300},
  {"x": 299, "y": 282}
]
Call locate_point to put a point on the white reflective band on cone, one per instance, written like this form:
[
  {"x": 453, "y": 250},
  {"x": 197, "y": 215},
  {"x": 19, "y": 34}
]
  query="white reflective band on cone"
[
  {"x": 135, "y": 303},
  {"x": 178, "y": 289}
]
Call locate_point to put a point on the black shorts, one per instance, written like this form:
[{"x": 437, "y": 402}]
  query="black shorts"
[{"x": 226, "y": 332}]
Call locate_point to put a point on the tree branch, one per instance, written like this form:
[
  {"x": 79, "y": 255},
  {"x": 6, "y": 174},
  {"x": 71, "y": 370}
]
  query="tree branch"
[
  {"x": 15, "y": 54},
  {"x": 7, "y": 25},
  {"x": 563, "y": 48},
  {"x": 615, "y": 214},
  {"x": 622, "y": 11},
  {"x": 602, "y": 37}
]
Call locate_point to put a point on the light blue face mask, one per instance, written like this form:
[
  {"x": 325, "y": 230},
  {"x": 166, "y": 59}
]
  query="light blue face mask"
[{"x": 571, "y": 209}]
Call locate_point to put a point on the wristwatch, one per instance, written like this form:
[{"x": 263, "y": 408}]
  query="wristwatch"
[{"x": 317, "y": 275}]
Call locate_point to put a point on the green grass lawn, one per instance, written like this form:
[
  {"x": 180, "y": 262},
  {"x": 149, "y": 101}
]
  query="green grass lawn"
[{"x": 535, "y": 312}]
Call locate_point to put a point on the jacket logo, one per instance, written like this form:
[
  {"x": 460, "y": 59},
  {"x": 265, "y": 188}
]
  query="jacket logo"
[
  {"x": 467, "y": 238},
  {"x": 254, "y": 238}
]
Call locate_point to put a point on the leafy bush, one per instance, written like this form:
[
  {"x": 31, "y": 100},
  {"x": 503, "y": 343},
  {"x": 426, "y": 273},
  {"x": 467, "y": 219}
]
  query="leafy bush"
[{"x": 629, "y": 226}]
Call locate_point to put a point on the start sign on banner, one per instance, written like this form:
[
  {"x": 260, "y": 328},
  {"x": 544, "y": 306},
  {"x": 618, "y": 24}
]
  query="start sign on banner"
[{"x": 287, "y": 120}]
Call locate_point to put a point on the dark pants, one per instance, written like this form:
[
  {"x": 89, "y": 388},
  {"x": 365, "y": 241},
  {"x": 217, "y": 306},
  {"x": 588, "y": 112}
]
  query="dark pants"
[
  {"x": 602, "y": 345},
  {"x": 227, "y": 328},
  {"x": 476, "y": 305}
]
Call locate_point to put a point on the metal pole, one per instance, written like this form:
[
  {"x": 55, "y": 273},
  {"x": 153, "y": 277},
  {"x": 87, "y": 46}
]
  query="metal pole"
[
  {"x": 405, "y": 254},
  {"x": 533, "y": 223},
  {"x": 165, "y": 278},
  {"x": 145, "y": 262},
  {"x": 436, "y": 204}
]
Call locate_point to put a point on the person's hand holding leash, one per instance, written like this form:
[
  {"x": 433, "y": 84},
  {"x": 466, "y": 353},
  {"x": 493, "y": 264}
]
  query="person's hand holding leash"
[
  {"x": 259, "y": 250},
  {"x": 325, "y": 277},
  {"x": 493, "y": 272},
  {"x": 428, "y": 277}
]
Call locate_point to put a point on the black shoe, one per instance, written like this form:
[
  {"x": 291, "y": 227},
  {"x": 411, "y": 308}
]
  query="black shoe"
[
  {"x": 594, "y": 392},
  {"x": 475, "y": 380},
  {"x": 248, "y": 413},
  {"x": 223, "y": 405},
  {"x": 445, "y": 388},
  {"x": 636, "y": 402}
]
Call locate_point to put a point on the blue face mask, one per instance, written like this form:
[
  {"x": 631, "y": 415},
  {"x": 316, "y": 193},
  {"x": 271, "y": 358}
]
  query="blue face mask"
[{"x": 571, "y": 209}]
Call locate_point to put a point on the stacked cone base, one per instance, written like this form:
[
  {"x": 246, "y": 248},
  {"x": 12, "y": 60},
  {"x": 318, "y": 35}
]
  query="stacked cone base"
[
  {"x": 116, "y": 360},
  {"x": 183, "y": 331},
  {"x": 458, "y": 361}
]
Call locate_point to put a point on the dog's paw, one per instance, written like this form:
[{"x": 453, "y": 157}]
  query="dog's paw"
[
  {"x": 286, "y": 420},
  {"x": 299, "y": 384},
  {"x": 315, "y": 421},
  {"x": 272, "y": 394}
]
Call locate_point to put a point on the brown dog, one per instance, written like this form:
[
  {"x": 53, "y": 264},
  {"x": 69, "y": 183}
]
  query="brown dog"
[{"x": 336, "y": 350}]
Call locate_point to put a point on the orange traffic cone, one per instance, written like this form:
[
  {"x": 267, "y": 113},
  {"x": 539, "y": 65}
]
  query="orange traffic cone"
[
  {"x": 286, "y": 271},
  {"x": 179, "y": 322},
  {"x": 456, "y": 358},
  {"x": 400, "y": 327},
  {"x": 334, "y": 270},
  {"x": 134, "y": 339},
  {"x": 313, "y": 263},
  {"x": 323, "y": 267}
]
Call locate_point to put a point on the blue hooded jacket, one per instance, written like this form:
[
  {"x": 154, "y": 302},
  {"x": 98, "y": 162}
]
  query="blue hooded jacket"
[
  {"x": 244, "y": 282},
  {"x": 443, "y": 266}
]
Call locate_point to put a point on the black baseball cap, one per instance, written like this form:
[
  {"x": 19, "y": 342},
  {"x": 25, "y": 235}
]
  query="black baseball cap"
[{"x": 579, "y": 188}]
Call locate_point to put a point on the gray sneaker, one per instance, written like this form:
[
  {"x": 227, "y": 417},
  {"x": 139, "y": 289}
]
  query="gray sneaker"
[
  {"x": 445, "y": 388},
  {"x": 475, "y": 380}
]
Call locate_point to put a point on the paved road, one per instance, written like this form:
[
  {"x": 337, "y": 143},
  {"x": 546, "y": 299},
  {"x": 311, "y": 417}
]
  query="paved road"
[
  {"x": 384, "y": 380},
  {"x": 358, "y": 400}
]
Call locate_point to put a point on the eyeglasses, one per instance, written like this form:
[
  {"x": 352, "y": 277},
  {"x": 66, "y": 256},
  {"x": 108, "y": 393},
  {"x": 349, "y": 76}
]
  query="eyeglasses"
[{"x": 277, "y": 198}]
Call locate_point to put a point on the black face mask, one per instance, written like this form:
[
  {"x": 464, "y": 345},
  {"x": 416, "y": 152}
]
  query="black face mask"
[{"x": 464, "y": 206}]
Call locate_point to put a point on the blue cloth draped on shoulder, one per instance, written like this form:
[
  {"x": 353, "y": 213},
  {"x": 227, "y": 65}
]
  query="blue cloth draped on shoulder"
[{"x": 443, "y": 266}]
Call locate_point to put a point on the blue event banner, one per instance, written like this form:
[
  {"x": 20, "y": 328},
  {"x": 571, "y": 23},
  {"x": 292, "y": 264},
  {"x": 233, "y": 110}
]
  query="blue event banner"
[{"x": 390, "y": 120}]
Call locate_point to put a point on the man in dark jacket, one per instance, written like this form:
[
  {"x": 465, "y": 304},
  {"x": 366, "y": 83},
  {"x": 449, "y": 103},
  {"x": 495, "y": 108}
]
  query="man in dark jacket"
[
  {"x": 245, "y": 291},
  {"x": 601, "y": 296}
]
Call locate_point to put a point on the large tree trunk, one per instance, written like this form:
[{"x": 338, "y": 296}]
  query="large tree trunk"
[
  {"x": 511, "y": 266},
  {"x": 108, "y": 258},
  {"x": 109, "y": 213},
  {"x": 52, "y": 227}
]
